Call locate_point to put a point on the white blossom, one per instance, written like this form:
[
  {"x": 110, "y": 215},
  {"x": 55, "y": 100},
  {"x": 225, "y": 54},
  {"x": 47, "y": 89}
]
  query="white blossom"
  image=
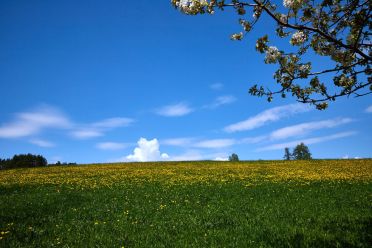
[
  {"x": 238, "y": 36},
  {"x": 298, "y": 38},
  {"x": 191, "y": 7},
  {"x": 272, "y": 55},
  {"x": 345, "y": 81},
  {"x": 304, "y": 68},
  {"x": 291, "y": 4}
]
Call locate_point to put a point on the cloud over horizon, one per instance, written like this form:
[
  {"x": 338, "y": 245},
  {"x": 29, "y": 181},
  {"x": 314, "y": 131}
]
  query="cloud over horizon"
[{"x": 147, "y": 150}]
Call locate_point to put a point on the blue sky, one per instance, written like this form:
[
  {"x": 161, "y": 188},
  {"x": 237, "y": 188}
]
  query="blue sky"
[{"x": 100, "y": 81}]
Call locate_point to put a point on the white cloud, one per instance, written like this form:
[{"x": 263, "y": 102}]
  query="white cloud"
[
  {"x": 31, "y": 123},
  {"x": 113, "y": 122},
  {"x": 200, "y": 143},
  {"x": 190, "y": 155},
  {"x": 42, "y": 143},
  {"x": 253, "y": 140},
  {"x": 269, "y": 115},
  {"x": 304, "y": 128},
  {"x": 221, "y": 100},
  {"x": 221, "y": 159},
  {"x": 178, "y": 141},
  {"x": 179, "y": 109},
  {"x": 147, "y": 150},
  {"x": 307, "y": 141},
  {"x": 369, "y": 109},
  {"x": 215, "y": 143},
  {"x": 98, "y": 129},
  {"x": 193, "y": 155},
  {"x": 216, "y": 86},
  {"x": 86, "y": 133},
  {"x": 111, "y": 146}
]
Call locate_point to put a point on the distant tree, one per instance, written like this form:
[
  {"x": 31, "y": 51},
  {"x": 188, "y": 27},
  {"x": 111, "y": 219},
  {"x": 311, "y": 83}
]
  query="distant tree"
[
  {"x": 287, "y": 154},
  {"x": 301, "y": 152},
  {"x": 234, "y": 157}
]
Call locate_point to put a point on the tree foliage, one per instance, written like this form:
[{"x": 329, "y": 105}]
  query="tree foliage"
[
  {"x": 301, "y": 152},
  {"x": 337, "y": 29},
  {"x": 233, "y": 157},
  {"x": 287, "y": 154},
  {"x": 22, "y": 161}
]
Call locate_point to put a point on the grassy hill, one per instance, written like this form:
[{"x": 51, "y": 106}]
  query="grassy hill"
[{"x": 319, "y": 203}]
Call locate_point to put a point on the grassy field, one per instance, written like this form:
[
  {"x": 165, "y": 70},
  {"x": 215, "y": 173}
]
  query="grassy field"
[{"x": 189, "y": 204}]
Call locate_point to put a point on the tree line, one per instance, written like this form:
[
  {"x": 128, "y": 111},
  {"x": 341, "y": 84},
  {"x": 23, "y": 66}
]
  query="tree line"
[
  {"x": 23, "y": 161},
  {"x": 27, "y": 161}
]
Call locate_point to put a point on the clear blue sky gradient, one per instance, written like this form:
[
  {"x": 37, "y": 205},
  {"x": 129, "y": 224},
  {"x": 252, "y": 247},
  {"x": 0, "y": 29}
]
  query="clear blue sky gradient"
[{"x": 100, "y": 75}]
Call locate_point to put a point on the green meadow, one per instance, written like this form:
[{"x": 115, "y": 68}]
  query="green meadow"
[{"x": 319, "y": 203}]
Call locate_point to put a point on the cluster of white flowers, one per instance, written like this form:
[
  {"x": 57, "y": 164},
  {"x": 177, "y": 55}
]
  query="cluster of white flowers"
[
  {"x": 345, "y": 81},
  {"x": 238, "y": 36},
  {"x": 292, "y": 3},
  {"x": 190, "y": 7},
  {"x": 305, "y": 68},
  {"x": 272, "y": 55},
  {"x": 298, "y": 38}
]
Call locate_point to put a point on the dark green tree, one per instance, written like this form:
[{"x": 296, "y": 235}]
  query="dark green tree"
[
  {"x": 301, "y": 152},
  {"x": 287, "y": 154},
  {"x": 339, "y": 30},
  {"x": 23, "y": 160},
  {"x": 233, "y": 157}
]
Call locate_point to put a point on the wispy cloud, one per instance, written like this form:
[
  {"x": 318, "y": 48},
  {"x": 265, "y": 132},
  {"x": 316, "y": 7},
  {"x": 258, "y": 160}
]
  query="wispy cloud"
[
  {"x": 98, "y": 129},
  {"x": 190, "y": 155},
  {"x": 31, "y": 123},
  {"x": 147, "y": 150},
  {"x": 221, "y": 100},
  {"x": 193, "y": 155},
  {"x": 178, "y": 141},
  {"x": 42, "y": 143},
  {"x": 215, "y": 143},
  {"x": 369, "y": 109},
  {"x": 305, "y": 128},
  {"x": 216, "y": 86},
  {"x": 270, "y": 115},
  {"x": 111, "y": 146},
  {"x": 307, "y": 141},
  {"x": 254, "y": 140},
  {"x": 86, "y": 133},
  {"x": 199, "y": 143},
  {"x": 175, "y": 110},
  {"x": 113, "y": 123}
]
